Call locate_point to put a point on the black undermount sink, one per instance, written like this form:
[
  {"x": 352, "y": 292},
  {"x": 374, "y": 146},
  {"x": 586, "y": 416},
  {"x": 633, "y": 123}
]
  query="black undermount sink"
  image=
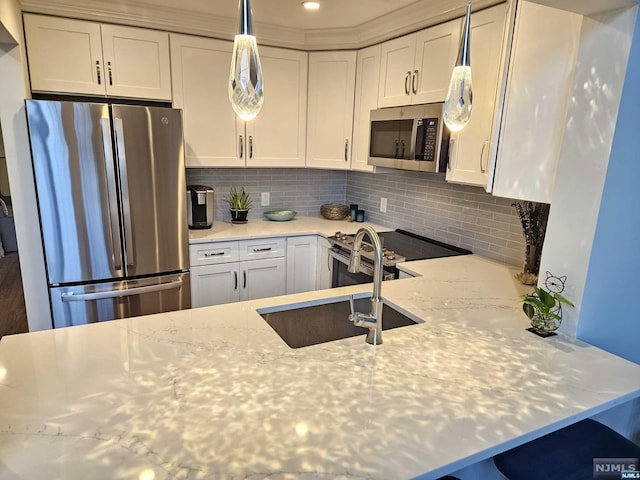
[{"x": 305, "y": 326}]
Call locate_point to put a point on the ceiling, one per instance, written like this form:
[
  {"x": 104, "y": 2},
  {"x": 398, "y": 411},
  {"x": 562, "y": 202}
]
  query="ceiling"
[{"x": 338, "y": 24}]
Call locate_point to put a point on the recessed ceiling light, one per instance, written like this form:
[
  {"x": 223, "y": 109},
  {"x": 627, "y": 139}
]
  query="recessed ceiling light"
[{"x": 311, "y": 5}]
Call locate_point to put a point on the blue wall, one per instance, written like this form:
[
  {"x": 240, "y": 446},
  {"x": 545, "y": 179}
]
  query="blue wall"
[{"x": 610, "y": 314}]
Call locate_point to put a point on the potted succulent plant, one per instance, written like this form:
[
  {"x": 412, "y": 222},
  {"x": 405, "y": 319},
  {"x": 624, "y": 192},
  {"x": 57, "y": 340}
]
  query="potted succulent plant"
[
  {"x": 544, "y": 308},
  {"x": 239, "y": 204}
]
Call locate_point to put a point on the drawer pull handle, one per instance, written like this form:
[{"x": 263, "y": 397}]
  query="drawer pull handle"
[
  {"x": 110, "y": 73},
  {"x": 266, "y": 249},
  {"x": 244, "y": 279},
  {"x": 235, "y": 277},
  {"x": 406, "y": 83},
  {"x": 215, "y": 254},
  {"x": 98, "y": 72}
]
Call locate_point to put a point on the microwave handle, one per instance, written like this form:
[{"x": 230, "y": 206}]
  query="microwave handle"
[{"x": 414, "y": 139}]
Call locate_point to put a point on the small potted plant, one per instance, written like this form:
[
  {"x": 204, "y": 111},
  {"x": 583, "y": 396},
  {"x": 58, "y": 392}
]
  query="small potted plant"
[
  {"x": 239, "y": 204},
  {"x": 544, "y": 308}
]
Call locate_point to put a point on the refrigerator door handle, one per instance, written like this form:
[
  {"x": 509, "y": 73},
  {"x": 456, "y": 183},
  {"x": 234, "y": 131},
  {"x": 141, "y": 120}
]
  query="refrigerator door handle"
[
  {"x": 124, "y": 192},
  {"x": 85, "y": 297},
  {"x": 114, "y": 229}
]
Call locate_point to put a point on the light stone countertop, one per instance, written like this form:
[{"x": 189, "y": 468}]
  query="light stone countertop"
[
  {"x": 262, "y": 228},
  {"x": 214, "y": 393}
]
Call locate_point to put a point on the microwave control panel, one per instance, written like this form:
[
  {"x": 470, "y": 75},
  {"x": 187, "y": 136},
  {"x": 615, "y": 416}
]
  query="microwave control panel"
[{"x": 426, "y": 139}]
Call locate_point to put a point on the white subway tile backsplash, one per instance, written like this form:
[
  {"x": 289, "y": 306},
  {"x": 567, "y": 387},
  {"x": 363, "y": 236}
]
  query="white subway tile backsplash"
[{"x": 423, "y": 203}]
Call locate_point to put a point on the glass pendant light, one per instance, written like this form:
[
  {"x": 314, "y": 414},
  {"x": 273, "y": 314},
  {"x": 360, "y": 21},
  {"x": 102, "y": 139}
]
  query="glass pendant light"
[
  {"x": 458, "y": 104},
  {"x": 245, "y": 78}
]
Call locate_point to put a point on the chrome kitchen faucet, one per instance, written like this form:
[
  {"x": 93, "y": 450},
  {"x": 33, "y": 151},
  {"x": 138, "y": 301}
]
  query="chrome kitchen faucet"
[{"x": 372, "y": 321}]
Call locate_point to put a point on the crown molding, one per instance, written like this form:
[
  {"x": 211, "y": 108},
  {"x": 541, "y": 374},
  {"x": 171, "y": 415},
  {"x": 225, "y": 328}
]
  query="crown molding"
[{"x": 419, "y": 15}]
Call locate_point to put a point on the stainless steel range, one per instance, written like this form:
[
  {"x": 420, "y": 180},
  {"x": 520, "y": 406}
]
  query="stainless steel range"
[{"x": 398, "y": 246}]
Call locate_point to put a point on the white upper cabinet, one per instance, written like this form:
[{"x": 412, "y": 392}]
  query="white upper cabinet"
[
  {"x": 366, "y": 99},
  {"x": 543, "y": 54},
  {"x": 78, "y": 57},
  {"x": 214, "y": 136},
  {"x": 136, "y": 62},
  {"x": 470, "y": 149},
  {"x": 276, "y": 137},
  {"x": 416, "y": 68},
  {"x": 64, "y": 55},
  {"x": 200, "y": 69},
  {"x": 330, "y": 114}
]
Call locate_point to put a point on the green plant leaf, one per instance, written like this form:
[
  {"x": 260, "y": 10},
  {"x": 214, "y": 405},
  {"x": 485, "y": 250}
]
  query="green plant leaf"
[
  {"x": 563, "y": 299},
  {"x": 528, "y": 309},
  {"x": 547, "y": 299},
  {"x": 536, "y": 303}
]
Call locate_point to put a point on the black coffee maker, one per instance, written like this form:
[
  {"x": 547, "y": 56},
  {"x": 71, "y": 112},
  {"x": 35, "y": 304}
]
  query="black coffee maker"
[{"x": 200, "y": 206}]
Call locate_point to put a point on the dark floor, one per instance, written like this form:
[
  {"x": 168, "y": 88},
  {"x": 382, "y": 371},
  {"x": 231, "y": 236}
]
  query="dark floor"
[{"x": 13, "y": 316}]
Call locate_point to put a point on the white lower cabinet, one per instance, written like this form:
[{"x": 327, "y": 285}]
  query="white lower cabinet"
[
  {"x": 215, "y": 284},
  {"x": 224, "y": 272},
  {"x": 301, "y": 263},
  {"x": 323, "y": 265},
  {"x": 263, "y": 278}
]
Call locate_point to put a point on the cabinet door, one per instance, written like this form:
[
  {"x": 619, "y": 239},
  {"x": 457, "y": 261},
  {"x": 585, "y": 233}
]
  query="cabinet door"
[
  {"x": 332, "y": 78},
  {"x": 136, "y": 62},
  {"x": 277, "y": 136},
  {"x": 301, "y": 264},
  {"x": 263, "y": 278},
  {"x": 323, "y": 265},
  {"x": 65, "y": 56},
  {"x": 436, "y": 53},
  {"x": 396, "y": 68},
  {"x": 540, "y": 79},
  {"x": 215, "y": 284},
  {"x": 200, "y": 69},
  {"x": 366, "y": 99},
  {"x": 470, "y": 148}
]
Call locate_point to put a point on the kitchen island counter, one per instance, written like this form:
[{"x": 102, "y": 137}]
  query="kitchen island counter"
[{"x": 214, "y": 393}]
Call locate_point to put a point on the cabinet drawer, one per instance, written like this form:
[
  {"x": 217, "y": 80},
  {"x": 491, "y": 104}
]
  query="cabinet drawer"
[
  {"x": 262, "y": 248},
  {"x": 212, "y": 253}
]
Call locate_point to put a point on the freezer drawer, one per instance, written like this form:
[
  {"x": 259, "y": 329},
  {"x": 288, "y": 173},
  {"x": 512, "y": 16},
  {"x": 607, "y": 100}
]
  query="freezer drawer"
[{"x": 79, "y": 305}]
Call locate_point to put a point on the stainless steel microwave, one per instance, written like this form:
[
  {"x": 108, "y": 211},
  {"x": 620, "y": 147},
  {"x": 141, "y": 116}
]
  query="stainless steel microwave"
[{"x": 409, "y": 138}]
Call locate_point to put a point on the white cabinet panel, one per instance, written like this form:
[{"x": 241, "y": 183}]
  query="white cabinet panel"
[
  {"x": 262, "y": 248},
  {"x": 200, "y": 68},
  {"x": 331, "y": 94},
  {"x": 301, "y": 263},
  {"x": 396, "y": 68},
  {"x": 263, "y": 278},
  {"x": 543, "y": 53},
  {"x": 136, "y": 62},
  {"x": 215, "y": 284},
  {"x": 436, "y": 53},
  {"x": 214, "y": 136},
  {"x": 416, "y": 68},
  {"x": 470, "y": 148},
  {"x": 64, "y": 55},
  {"x": 79, "y": 57},
  {"x": 277, "y": 136},
  {"x": 323, "y": 265},
  {"x": 366, "y": 99}
]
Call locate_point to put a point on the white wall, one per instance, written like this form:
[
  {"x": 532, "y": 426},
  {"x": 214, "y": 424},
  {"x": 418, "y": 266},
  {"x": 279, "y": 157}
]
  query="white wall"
[
  {"x": 584, "y": 155},
  {"x": 14, "y": 88}
]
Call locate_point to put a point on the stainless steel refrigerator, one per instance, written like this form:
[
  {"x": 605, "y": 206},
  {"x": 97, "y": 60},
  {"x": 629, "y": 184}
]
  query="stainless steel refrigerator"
[{"x": 111, "y": 189}]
